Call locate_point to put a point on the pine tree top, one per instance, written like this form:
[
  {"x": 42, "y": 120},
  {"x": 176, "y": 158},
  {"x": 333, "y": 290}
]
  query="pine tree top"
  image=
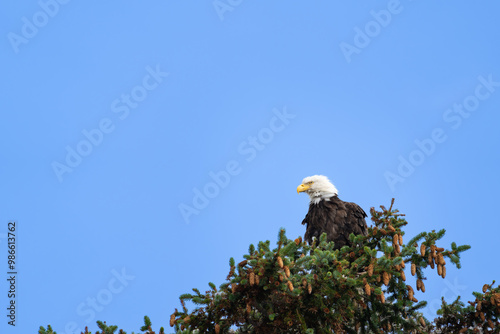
[{"x": 300, "y": 288}]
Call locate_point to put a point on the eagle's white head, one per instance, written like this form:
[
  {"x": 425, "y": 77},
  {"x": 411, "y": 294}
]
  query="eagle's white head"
[{"x": 318, "y": 187}]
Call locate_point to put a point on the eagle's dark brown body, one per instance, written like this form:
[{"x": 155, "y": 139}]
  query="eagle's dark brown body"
[{"x": 337, "y": 218}]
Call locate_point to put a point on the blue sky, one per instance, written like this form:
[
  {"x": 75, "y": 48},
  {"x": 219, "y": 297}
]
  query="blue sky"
[{"x": 117, "y": 117}]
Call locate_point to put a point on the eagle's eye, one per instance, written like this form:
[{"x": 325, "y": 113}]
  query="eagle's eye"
[{"x": 310, "y": 182}]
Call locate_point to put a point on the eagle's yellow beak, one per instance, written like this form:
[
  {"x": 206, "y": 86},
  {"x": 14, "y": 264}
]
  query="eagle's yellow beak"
[{"x": 303, "y": 187}]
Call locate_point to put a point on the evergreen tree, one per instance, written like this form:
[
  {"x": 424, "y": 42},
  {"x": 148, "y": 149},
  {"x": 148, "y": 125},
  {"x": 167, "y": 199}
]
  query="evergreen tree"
[
  {"x": 362, "y": 288},
  {"x": 301, "y": 288}
]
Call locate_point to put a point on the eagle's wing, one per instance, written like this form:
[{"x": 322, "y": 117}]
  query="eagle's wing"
[{"x": 356, "y": 216}]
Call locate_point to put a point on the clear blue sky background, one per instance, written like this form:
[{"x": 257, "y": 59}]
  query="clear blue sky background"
[{"x": 103, "y": 237}]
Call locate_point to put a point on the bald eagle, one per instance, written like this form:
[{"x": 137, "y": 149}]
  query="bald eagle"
[{"x": 327, "y": 213}]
